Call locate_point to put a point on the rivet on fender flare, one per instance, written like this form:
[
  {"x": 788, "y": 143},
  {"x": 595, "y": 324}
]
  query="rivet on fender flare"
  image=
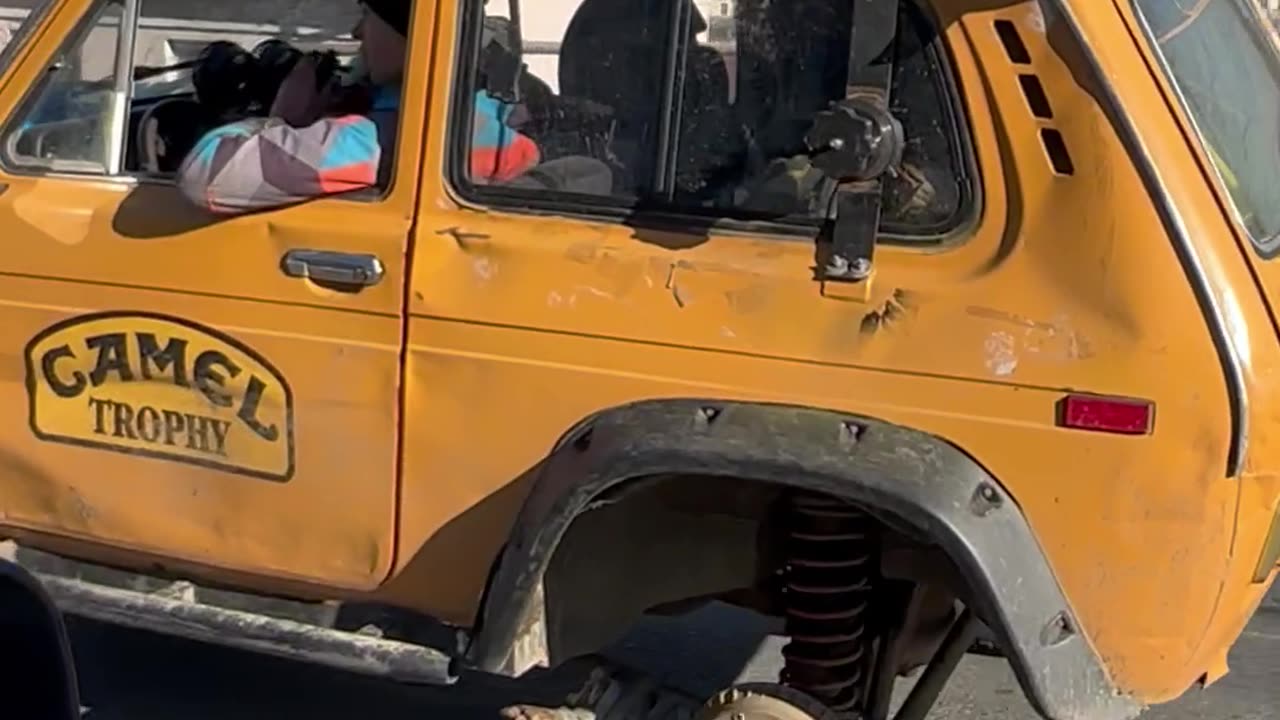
[
  {"x": 985, "y": 499},
  {"x": 706, "y": 415},
  {"x": 850, "y": 432},
  {"x": 1058, "y": 630}
]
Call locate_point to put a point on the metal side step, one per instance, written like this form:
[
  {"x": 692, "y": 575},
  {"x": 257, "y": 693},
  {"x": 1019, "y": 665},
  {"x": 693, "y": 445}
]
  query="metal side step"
[{"x": 171, "y": 614}]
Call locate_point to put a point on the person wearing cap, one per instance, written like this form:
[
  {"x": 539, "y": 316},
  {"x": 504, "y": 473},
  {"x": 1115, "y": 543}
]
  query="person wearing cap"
[{"x": 303, "y": 151}]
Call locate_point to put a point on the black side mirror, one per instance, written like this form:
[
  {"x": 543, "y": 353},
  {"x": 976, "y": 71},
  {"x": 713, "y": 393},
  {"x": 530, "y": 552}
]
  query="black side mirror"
[
  {"x": 37, "y": 673},
  {"x": 855, "y": 140}
]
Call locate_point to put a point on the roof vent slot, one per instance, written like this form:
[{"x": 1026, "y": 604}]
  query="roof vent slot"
[
  {"x": 1036, "y": 97},
  {"x": 1013, "y": 45},
  {"x": 1033, "y": 91},
  {"x": 1056, "y": 148}
]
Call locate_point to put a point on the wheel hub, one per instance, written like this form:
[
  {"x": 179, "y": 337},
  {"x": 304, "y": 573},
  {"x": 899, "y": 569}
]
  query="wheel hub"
[{"x": 764, "y": 702}]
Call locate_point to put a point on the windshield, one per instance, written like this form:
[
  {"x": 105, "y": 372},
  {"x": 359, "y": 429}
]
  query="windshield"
[
  {"x": 1222, "y": 57},
  {"x": 17, "y": 18}
]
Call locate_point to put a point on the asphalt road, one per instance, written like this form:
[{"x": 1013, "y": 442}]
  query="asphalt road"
[{"x": 137, "y": 676}]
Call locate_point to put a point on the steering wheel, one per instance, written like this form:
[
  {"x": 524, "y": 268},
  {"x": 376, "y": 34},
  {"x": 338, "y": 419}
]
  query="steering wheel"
[
  {"x": 166, "y": 132},
  {"x": 228, "y": 83}
]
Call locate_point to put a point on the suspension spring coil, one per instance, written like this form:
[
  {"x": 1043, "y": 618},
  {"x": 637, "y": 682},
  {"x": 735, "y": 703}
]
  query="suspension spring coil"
[{"x": 828, "y": 583}]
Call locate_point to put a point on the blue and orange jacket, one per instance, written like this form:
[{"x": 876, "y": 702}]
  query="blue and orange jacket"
[{"x": 263, "y": 163}]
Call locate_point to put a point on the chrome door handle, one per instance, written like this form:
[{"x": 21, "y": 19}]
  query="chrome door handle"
[{"x": 334, "y": 267}]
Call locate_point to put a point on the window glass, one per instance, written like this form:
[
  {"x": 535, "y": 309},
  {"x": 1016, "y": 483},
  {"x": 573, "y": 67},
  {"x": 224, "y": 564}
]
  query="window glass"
[
  {"x": 194, "y": 67},
  {"x": 694, "y": 106},
  {"x": 199, "y": 65},
  {"x": 65, "y": 125},
  {"x": 1221, "y": 56},
  {"x": 17, "y": 18}
]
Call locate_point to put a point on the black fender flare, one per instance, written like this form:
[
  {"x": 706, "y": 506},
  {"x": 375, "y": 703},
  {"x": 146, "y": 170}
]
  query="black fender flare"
[
  {"x": 916, "y": 478},
  {"x": 37, "y": 674}
]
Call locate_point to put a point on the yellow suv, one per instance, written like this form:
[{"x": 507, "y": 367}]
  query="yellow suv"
[{"x": 905, "y": 323}]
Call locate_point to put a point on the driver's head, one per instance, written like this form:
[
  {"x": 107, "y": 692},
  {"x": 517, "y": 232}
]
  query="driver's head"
[{"x": 383, "y": 34}]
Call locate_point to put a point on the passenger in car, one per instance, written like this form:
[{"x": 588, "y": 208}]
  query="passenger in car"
[{"x": 303, "y": 150}]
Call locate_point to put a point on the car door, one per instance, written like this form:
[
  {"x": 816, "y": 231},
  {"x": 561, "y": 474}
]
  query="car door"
[{"x": 214, "y": 393}]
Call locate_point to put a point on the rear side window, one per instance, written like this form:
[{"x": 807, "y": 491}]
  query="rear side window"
[
  {"x": 691, "y": 108},
  {"x": 1222, "y": 58}
]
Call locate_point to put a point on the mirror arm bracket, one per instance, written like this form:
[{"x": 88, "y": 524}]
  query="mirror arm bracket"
[{"x": 857, "y": 141}]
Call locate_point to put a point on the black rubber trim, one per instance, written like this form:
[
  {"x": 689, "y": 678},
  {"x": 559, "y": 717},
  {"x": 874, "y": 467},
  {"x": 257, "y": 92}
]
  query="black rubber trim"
[
  {"x": 902, "y": 474},
  {"x": 1232, "y": 356}
]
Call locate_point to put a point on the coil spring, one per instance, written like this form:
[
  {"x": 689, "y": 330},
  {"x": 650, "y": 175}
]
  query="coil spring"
[{"x": 828, "y": 585}]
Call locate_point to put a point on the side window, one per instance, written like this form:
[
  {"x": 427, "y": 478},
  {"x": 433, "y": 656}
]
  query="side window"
[
  {"x": 191, "y": 74},
  {"x": 134, "y": 103},
  {"x": 694, "y": 107}
]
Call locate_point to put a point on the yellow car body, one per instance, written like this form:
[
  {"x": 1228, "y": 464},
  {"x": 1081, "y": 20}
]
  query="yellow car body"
[{"x": 172, "y": 402}]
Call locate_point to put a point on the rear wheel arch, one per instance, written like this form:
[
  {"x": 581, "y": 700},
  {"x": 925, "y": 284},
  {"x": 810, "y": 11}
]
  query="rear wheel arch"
[{"x": 910, "y": 478}]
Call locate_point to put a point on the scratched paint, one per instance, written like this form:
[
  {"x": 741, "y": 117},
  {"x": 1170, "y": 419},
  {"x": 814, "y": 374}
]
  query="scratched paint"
[
  {"x": 1048, "y": 341},
  {"x": 1001, "y": 354}
]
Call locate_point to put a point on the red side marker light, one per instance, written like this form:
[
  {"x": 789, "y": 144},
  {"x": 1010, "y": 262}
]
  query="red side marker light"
[{"x": 1121, "y": 416}]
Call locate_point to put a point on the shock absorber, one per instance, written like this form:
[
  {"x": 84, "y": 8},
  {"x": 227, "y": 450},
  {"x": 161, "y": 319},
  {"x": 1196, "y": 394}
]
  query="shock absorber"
[{"x": 828, "y": 586}]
